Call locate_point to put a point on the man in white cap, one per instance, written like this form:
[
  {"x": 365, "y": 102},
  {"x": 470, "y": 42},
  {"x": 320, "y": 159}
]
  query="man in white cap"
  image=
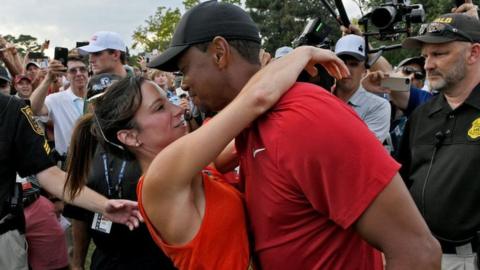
[
  {"x": 372, "y": 109},
  {"x": 108, "y": 53}
]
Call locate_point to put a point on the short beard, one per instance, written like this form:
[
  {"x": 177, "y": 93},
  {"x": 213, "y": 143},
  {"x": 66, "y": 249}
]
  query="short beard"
[{"x": 448, "y": 81}]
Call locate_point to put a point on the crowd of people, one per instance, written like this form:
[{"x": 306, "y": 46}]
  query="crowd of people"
[{"x": 215, "y": 156}]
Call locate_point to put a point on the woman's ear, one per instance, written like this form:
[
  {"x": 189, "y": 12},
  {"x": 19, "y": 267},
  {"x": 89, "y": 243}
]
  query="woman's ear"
[{"x": 128, "y": 137}]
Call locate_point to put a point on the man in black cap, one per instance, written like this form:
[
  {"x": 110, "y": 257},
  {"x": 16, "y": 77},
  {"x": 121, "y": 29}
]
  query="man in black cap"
[
  {"x": 4, "y": 81},
  {"x": 440, "y": 148},
  {"x": 306, "y": 207}
]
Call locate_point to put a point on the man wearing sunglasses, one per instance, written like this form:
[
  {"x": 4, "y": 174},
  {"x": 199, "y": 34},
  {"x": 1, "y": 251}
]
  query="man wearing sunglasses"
[
  {"x": 440, "y": 149},
  {"x": 413, "y": 68},
  {"x": 65, "y": 107}
]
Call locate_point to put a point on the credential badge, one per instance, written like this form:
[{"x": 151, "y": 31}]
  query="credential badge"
[{"x": 474, "y": 131}]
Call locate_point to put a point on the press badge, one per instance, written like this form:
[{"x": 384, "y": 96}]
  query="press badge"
[{"x": 101, "y": 224}]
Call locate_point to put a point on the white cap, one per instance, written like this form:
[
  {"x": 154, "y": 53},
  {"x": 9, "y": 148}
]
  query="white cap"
[
  {"x": 104, "y": 40},
  {"x": 282, "y": 51},
  {"x": 351, "y": 45}
]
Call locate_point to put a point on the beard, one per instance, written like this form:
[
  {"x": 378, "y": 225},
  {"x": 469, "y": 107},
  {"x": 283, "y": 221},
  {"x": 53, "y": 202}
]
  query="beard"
[{"x": 445, "y": 82}]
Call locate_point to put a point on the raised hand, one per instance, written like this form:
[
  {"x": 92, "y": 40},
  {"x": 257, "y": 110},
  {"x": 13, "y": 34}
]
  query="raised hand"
[
  {"x": 468, "y": 8},
  {"x": 372, "y": 82}
]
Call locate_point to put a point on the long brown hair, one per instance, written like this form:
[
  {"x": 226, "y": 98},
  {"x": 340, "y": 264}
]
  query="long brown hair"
[{"x": 112, "y": 112}]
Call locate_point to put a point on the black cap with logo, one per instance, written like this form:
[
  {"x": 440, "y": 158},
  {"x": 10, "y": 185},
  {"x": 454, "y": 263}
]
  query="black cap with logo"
[
  {"x": 99, "y": 83},
  {"x": 201, "y": 24},
  {"x": 446, "y": 28}
]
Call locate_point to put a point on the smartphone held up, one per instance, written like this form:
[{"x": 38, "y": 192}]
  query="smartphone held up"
[
  {"x": 401, "y": 84},
  {"x": 61, "y": 54}
]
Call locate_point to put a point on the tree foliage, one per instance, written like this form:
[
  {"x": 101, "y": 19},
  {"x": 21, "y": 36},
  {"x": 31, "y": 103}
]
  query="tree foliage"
[
  {"x": 281, "y": 21},
  {"x": 24, "y": 43},
  {"x": 158, "y": 30}
]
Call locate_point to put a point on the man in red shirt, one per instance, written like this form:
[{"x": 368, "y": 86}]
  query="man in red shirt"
[{"x": 318, "y": 184}]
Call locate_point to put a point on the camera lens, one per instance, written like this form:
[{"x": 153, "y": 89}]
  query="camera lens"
[
  {"x": 383, "y": 17},
  {"x": 407, "y": 81}
]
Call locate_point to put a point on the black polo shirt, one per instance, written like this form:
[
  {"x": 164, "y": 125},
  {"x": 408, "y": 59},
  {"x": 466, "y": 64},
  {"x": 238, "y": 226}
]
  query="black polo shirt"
[
  {"x": 447, "y": 188},
  {"x": 23, "y": 147}
]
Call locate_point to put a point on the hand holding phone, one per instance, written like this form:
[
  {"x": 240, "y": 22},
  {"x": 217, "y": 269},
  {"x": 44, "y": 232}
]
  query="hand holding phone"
[{"x": 394, "y": 83}]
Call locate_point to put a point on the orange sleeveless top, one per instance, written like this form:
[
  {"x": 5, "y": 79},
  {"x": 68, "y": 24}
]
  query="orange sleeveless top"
[{"x": 221, "y": 242}]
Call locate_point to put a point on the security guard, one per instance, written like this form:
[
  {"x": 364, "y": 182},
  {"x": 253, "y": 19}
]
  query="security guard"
[
  {"x": 440, "y": 151},
  {"x": 23, "y": 149}
]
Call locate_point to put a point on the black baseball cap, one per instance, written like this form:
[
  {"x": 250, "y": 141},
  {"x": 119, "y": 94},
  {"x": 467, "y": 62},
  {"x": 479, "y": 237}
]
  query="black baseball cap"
[
  {"x": 446, "y": 28},
  {"x": 99, "y": 83},
  {"x": 201, "y": 24},
  {"x": 4, "y": 74}
]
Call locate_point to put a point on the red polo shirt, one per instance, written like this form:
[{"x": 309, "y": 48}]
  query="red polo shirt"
[{"x": 311, "y": 167}]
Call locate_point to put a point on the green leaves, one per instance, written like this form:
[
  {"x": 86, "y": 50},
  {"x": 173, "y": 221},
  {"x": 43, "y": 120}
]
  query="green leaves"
[{"x": 24, "y": 43}]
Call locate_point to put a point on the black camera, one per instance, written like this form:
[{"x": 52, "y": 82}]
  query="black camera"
[
  {"x": 385, "y": 17},
  {"x": 315, "y": 34}
]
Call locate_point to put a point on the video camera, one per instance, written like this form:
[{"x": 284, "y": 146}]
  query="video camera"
[
  {"x": 387, "y": 17},
  {"x": 393, "y": 18}
]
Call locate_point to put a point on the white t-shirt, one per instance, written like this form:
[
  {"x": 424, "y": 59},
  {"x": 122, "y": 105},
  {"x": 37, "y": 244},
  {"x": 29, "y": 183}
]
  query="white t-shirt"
[{"x": 64, "y": 108}]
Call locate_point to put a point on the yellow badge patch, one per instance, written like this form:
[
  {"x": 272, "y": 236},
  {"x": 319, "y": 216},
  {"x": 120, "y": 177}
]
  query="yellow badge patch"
[
  {"x": 474, "y": 131},
  {"x": 46, "y": 146},
  {"x": 444, "y": 20},
  {"x": 27, "y": 111}
]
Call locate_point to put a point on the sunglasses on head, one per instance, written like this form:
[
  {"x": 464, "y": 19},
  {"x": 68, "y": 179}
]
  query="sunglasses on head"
[
  {"x": 441, "y": 29},
  {"x": 104, "y": 137},
  {"x": 417, "y": 74}
]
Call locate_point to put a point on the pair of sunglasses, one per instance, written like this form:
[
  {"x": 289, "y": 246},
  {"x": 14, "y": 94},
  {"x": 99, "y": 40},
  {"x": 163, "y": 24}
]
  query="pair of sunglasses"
[{"x": 417, "y": 74}]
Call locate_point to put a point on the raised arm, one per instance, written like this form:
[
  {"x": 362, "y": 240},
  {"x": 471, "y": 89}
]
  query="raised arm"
[
  {"x": 169, "y": 181},
  {"x": 9, "y": 55},
  {"x": 258, "y": 95},
  {"x": 55, "y": 68}
]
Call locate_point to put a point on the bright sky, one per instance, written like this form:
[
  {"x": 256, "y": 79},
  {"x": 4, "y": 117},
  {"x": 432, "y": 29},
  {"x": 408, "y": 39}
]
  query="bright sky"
[{"x": 65, "y": 22}]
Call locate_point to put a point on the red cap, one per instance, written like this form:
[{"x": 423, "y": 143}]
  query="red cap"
[{"x": 18, "y": 78}]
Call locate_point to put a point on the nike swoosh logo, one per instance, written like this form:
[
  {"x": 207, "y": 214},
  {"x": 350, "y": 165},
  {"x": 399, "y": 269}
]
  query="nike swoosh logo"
[{"x": 255, "y": 152}]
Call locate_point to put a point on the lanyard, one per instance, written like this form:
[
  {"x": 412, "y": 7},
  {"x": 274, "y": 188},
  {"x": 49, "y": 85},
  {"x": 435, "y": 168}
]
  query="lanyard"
[{"x": 107, "y": 175}]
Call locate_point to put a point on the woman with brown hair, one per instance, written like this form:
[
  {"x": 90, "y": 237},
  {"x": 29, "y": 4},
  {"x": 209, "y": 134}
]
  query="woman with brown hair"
[{"x": 198, "y": 222}]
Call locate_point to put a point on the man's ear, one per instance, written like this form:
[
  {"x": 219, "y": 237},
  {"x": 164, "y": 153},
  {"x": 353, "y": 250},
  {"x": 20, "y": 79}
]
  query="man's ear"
[
  {"x": 474, "y": 56},
  {"x": 220, "y": 51},
  {"x": 116, "y": 54},
  {"x": 128, "y": 137}
]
